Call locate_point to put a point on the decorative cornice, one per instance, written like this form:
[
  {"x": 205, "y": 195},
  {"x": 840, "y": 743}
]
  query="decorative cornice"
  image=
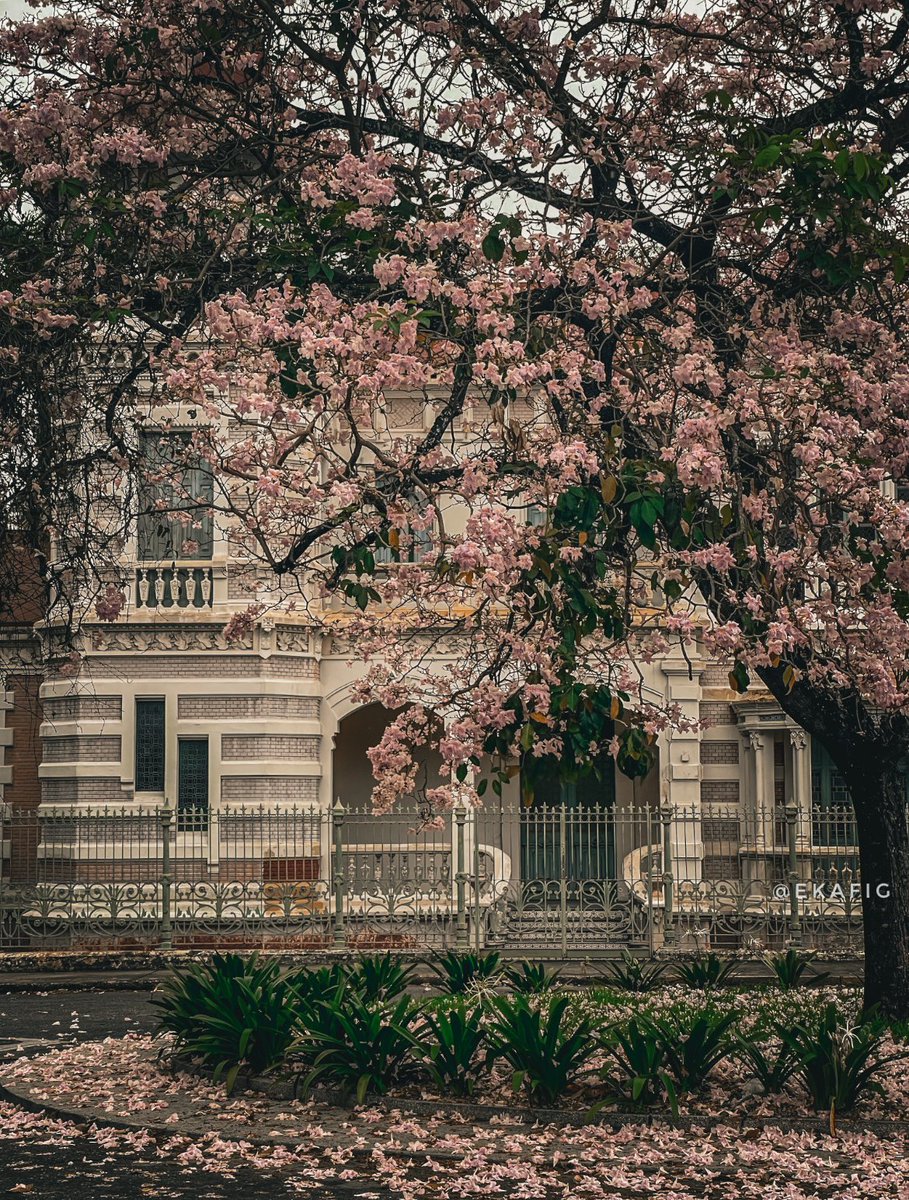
[{"x": 168, "y": 640}]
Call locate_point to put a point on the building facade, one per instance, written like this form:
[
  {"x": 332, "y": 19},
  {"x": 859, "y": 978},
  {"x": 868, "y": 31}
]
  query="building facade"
[{"x": 161, "y": 714}]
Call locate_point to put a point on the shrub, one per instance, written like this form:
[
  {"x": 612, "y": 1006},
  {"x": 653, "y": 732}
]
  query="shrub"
[
  {"x": 543, "y": 1055},
  {"x": 380, "y": 977},
  {"x": 706, "y": 972},
  {"x": 456, "y": 973},
  {"x": 695, "y": 1045},
  {"x": 789, "y": 968},
  {"x": 773, "y": 1072},
  {"x": 231, "y": 1012},
  {"x": 453, "y": 1059},
  {"x": 631, "y": 974},
  {"x": 638, "y": 1075},
  {"x": 836, "y": 1061},
  {"x": 318, "y": 983},
  {"x": 531, "y": 979},
  {"x": 661, "y": 1058},
  {"x": 360, "y": 1046}
]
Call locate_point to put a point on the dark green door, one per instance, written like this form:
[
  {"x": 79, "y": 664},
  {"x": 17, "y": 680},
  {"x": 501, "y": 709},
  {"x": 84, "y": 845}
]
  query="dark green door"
[
  {"x": 192, "y": 789},
  {"x": 568, "y": 829}
]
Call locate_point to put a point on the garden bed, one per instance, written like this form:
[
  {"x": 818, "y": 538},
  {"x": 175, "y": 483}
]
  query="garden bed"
[
  {"x": 694, "y": 1049},
  {"x": 431, "y": 1155}
]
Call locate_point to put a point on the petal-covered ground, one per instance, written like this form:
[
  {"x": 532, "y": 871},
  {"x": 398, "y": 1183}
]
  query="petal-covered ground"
[{"x": 311, "y": 1149}]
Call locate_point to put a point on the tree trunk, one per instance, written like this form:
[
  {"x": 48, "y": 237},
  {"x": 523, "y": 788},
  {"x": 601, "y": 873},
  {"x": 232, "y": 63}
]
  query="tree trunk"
[
  {"x": 882, "y": 819},
  {"x": 868, "y": 751}
]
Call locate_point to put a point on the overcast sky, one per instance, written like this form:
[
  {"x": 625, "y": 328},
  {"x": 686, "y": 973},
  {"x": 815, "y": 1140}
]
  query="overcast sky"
[{"x": 13, "y": 8}]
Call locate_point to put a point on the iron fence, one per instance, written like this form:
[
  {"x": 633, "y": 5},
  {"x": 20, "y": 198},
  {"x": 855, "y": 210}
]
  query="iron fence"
[{"x": 567, "y": 880}]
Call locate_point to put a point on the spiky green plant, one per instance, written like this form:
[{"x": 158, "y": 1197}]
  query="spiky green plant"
[
  {"x": 453, "y": 1058},
  {"x": 773, "y": 1070},
  {"x": 632, "y": 974},
  {"x": 789, "y": 968},
  {"x": 707, "y": 971},
  {"x": 637, "y": 1072},
  {"x": 456, "y": 972},
  {"x": 531, "y": 979},
  {"x": 362, "y": 1047},
  {"x": 231, "y": 1012},
  {"x": 837, "y": 1062},
  {"x": 543, "y": 1055},
  {"x": 380, "y": 976}
]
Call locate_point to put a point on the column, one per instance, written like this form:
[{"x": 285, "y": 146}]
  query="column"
[
  {"x": 801, "y": 795},
  {"x": 681, "y": 778},
  {"x": 759, "y": 816}
]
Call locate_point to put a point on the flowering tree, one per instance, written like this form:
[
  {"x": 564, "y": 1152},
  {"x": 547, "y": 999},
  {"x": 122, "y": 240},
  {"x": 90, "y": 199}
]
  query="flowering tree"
[{"x": 642, "y": 268}]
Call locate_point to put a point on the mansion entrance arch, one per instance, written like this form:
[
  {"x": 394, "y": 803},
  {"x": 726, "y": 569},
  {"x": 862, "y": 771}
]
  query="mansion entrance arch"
[
  {"x": 553, "y": 863},
  {"x": 352, "y": 777}
]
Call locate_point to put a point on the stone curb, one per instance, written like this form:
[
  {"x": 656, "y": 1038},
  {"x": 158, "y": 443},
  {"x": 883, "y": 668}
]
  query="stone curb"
[
  {"x": 75, "y": 971},
  {"x": 522, "y": 1118},
  {"x": 82, "y": 981},
  {"x": 278, "y": 1088}
]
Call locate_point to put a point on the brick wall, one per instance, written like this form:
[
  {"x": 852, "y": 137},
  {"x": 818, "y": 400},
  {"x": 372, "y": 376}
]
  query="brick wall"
[
  {"x": 233, "y": 708},
  {"x": 720, "y": 791},
  {"x": 241, "y": 585},
  {"x": 720, "y": 753},
  {"x": 81, "y": 749},
  {"x": 255, "y": 745},
  {"x": 715, "y": 712},
  {"x": 83, "y": 708},
  {"x": 200, "y": 666},
  {"x": 721, "y": 866},
  {"x": 262, "y": 789},
  {"x": 99, "y": 790},
  {"x": 24, "y": 755},
  {"x": 715, "y": 676}
]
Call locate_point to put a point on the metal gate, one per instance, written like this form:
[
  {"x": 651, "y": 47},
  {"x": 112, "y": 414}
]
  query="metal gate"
[{"x": 570, "y": 891}]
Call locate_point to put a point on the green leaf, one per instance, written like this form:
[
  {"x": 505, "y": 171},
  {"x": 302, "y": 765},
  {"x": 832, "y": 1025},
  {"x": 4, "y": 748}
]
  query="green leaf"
[
  {"x": 493, "y": 247},
  {"x": 768, "y": 157}
]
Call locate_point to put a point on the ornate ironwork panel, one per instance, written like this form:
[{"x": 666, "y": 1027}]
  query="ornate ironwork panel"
[
  {"x": 549, "y": 879},
  {"x": 149, "y": 745},
  {"x": 192, "y": 782}
]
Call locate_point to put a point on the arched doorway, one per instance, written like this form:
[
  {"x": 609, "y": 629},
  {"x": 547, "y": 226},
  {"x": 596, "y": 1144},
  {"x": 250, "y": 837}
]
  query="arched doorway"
[
  {"x": 397, "y": 866},
  {"x": 352, "y": 777}
]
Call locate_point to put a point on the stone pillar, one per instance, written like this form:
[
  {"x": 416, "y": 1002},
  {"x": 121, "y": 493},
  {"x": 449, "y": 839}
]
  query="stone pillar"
[
  {"x": 801, "y": 796},
  {"x": 681, "y": 776},
  {"x": 759, "y": 816}
]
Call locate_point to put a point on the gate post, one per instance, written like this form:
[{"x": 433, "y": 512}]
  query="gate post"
[
  {"x": 795, "y": 922},
  {"x": 166, "y": 931},
  {"x": 337, "y": 829},
  {"x": 668, "y": 898},
  {"x": 648, "y": 842},
  {"x": 563, "y": 879},
  {"x": 461, "y": 938}
]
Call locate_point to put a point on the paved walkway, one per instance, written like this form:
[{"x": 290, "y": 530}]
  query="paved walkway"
[
  {"x": 183, "y": 1138},
  {"x": 191, "y": 1124}
]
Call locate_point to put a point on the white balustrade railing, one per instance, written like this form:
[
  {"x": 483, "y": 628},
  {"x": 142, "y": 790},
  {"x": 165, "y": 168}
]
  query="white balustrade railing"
[{"x": 174, "y": 586}]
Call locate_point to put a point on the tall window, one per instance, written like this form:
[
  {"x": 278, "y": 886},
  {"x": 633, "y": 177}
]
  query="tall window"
[
  {"x": 149, "y": 745},
  {"x": 192, "y": 781},
  {"x": 408, "y": 545},
  {"x": 176, "y": 493}
]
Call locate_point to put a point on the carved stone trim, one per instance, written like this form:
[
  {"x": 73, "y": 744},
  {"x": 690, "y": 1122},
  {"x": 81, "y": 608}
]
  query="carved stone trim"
[
  {"x": 293, "y": 640},
  {"x": 170, "y": 640}
]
